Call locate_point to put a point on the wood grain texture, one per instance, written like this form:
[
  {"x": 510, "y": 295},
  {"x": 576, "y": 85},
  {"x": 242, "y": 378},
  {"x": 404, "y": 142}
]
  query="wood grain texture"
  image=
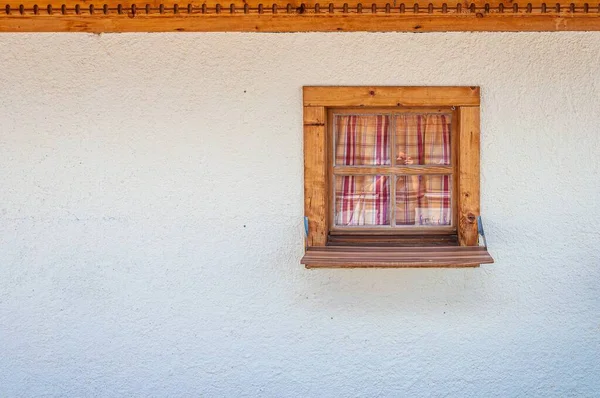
[
  {"x": 393, "y": 240},
  {"x": 340, "y": 96},
  {"x": 316, "y": 202},
  {"x": 399, "y": 170},
  {"x": 352, "y": 5},
  {"x": 395, "y": 257},
  {"x": 314, "y": 116},
  {"x": 295, "y": 16},
  {"x": 296, "y": 23},
  {"x": 129, "y": 21},
  {"x": 468, "y": 175}
]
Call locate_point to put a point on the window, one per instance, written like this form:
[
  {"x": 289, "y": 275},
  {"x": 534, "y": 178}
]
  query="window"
[{"x": 392, "y": 176}]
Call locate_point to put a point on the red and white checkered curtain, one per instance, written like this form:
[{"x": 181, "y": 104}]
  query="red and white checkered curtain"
[
  {"x": 362, "y": 140},
  {"x": 423, "y": 139}
]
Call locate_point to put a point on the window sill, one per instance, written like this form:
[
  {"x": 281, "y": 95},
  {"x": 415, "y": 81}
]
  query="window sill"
[{"x": 396, "y": 257}]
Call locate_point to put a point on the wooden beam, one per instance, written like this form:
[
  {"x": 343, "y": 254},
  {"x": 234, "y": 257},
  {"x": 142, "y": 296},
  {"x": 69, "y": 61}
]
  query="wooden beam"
[
  {"x": 316, "y": 202},
  {"x": 389, "y": 96},
  {"x": 296, "y": 16},
  {"x": 468, "y": 175}
]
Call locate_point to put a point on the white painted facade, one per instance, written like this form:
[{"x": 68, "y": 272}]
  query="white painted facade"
[{"x": 151, "y": 208}]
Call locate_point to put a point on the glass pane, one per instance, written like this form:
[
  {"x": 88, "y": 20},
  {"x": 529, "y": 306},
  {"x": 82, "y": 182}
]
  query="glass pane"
[
  {"x": 362, "y": 200},
  {"x": 423, "y": 139},
  {"x": 362, "y": 140},
  {"x": 424, "y": 200}
]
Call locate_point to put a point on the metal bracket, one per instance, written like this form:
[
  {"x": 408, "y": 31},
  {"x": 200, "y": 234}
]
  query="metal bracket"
[
  {"x": 480, "y": 231},
  {"x": 305, "y": 232}
]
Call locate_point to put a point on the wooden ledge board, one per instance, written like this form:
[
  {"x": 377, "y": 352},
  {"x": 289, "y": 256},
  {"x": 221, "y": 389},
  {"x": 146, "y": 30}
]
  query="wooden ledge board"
[
  {"x": 296, "y": 16},
  {"x": 340, "y": 96},
  {"x": 396, "y": 257}
]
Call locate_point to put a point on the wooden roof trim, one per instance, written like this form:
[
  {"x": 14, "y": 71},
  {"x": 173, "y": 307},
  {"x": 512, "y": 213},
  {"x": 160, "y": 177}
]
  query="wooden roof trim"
[{"x": 294, "y": 16}]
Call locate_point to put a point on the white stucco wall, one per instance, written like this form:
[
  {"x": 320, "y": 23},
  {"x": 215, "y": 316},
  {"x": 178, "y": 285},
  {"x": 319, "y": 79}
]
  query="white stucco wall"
[{"x": 151, "y": 209}]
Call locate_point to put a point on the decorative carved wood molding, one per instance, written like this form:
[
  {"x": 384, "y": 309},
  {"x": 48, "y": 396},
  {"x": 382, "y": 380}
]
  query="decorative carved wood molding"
[{"x": 296, "y": 16}]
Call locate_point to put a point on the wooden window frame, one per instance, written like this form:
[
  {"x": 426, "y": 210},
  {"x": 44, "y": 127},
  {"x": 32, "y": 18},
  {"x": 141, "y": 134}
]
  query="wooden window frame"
[
  {"x": 405, "y": 170},
  {"x": 465, "y": 102}
]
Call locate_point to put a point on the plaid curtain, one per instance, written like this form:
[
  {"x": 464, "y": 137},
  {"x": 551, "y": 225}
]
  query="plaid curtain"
[
  {"x": 362, "y": 200},
  {"x": 423, "y": 200},
  {"x": 362, "y": 140},
  {"x": 423, "y": 139}
]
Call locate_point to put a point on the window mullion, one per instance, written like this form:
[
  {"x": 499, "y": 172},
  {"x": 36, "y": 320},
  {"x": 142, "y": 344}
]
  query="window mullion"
[{"x": 392, "y": 140}]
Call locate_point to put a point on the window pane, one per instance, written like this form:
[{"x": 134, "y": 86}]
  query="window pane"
[
  {"x": 362, "y": 200},
  {"x": 362, "y": 140},
  {"x": 423, "y": 139},
  {"x": 424, "y": 200}
]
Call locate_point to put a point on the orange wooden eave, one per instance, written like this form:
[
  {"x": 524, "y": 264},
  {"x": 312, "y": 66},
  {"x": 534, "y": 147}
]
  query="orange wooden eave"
[{"x": 295, "y": 16}]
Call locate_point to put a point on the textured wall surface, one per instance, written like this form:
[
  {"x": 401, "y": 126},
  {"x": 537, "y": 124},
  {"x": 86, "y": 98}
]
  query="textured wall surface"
[{"x": 151, "y": 207}]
